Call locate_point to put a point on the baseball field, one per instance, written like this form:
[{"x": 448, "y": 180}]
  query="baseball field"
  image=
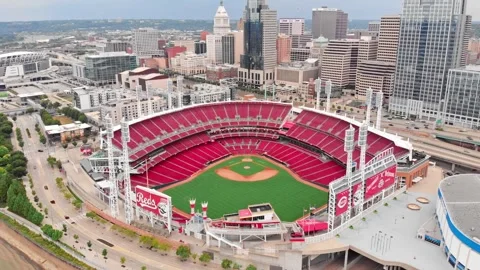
[{"x": 235, "y": 183}]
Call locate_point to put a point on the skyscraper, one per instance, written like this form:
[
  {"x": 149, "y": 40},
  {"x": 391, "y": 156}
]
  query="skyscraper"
[
  {"x": 284, "y": 48},
  {"x": 145, "y": 43},
  {"x": 228, "y": 49},
  {"x": 291, "y": 26},
  {"x": 388, "y": 38},
  {"x": 330, "y": 23},
  {"x": 221, "y": 23},
  {"x": 257, "y": 64},
  {"x": 432, "y": 37}
]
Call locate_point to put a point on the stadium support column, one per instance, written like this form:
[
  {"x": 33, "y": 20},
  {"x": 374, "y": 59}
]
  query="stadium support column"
[
  {"x": 204, "y": 210},
  {"x": 379, "y": 104},
  {"x": 169, "y": 94},
  {"x": 318, "y": 90},
  {"x": 362, "y": 142},
  {"x": 113, "y": 196},
  {"x": 179, "y": 91},
  {"x": 126, "y": 172},
  {"x": 368, "y": 102},
  {"x": 138, "y": 91},
  {"x": 192, "y": 207},
  {"x": 349, "y": 147},
  {"x": 328, "y": 91}
]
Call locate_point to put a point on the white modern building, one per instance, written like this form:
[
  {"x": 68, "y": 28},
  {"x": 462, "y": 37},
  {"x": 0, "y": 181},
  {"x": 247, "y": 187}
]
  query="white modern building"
[
  {"x": 214, "y": 49},
  {"x": 457, "y": 214},
  {"x": 86, "y": 100},
  {"x": 462, "y": 101},
  {"x": 145, "y": 43},
  {"x": 204, "y": 93},
  {"x": 131, "y": 108},
  {"x": 291, "y": 27},
  {"x": 17, "y": 64},
  {"x": 189, "y": 63}
]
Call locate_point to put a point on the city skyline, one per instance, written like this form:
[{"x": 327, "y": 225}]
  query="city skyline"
[{"x": 25, "y": 10}]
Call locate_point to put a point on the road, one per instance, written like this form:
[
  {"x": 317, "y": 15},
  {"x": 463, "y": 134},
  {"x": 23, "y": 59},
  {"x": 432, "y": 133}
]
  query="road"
[{"x": 87, "y": 230}]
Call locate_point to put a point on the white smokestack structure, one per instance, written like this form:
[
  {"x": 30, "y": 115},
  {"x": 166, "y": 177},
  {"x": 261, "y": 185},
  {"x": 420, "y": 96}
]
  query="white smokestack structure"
[
  {"x": 328, "y": 91},
  {"x": 379, "y": 109},
  {"x": 368, "y": 101},
  {"x": 318, "y": 90},
  {"x": 192, "y": 207},
  {"x": 204, "y": 210},
  {"x": 169, "y": 94}
]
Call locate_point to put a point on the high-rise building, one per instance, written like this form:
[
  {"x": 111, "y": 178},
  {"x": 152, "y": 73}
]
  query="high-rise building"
[
  {"x": 240, "y": 25},
  {"x": 378, "y": 75},
  {"x": 291, "y": 26},
  {"x": 200, "y": 47},
  {"x": 228, "y": 49},
  {"x": 462, "y": 99},
  {"x": 102, "y": 69},
  {"x": 239, "y": 48},
  {"x": 284, "y": 48},
  {"x": 367, "y": 49},
  {"x": 145, "y": 43},
  {"x": 388, "y": 38},
  {"x": 257, "y": 64},
  {"x": 330, "y": 23},
  {"x": 300, "y": 41},
  {"x": 374, "y": 27},
  {"x": 339, "y": 62},
  {"x": 221, "y": 22},
  {"x": 214, "y": 49},
  {"x": 432, "y": 41}
]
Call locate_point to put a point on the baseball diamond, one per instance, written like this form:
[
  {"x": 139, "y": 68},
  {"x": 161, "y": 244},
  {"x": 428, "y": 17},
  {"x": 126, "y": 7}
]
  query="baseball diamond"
[{"x": 287, "y": 193}]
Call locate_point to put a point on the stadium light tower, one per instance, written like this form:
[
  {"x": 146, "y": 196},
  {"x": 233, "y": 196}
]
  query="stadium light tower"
[
  {"x": 349, "y": 147},
  {"x": 368, "y": 102},
  {"x": 126, "y": 172},
  {"x": 274, "y": 87},
  {"x": 328, "y": 91},
  {"x": 318, "y": 90},
  {"x": 179, "y": 91},
  {"x": 112, "y": 178},
  {"x": 379, "y": 104},
  {"x": 149, "y": 99},
  {"x": 362, "y": 142}
]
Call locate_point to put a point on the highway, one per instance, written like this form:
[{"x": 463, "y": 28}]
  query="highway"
[{"x": 86, "y": 229}]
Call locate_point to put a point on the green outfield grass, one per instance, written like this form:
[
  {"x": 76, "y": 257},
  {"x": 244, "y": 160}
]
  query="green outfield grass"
[{"x": 288, "y": 196}]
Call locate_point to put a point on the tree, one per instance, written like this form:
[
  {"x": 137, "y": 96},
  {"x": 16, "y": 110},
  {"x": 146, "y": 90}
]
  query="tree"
[
  {"x": 21, "y": 144},
  {"x": 30, "y": 110},
  {"x": 164, "y": 247},
  {"x": 19, "y": 172},
  {"x": 51, "y": 161},
  {"x": 226, "y": 264},
  {"x": 89, "y": 245},
  {"x": 75, "y": 236},
  {"x": 251, "y": 267},
  {"x": 236, "y": 266},
  {"x": 104, "y": 253},
  {"x": 3, "y": 151},
  {"x": 4, "y": 184},
  {"x": 65, "y": 146},
  {"x": 205, "y": 258},
  {"x": 85, "y": 140},
  {"x": 14, "y": 118},
  {"x": 143, "y": 267},
  {"x": 43, "y": 140},
  {"x": 122, "y": 261},
  {"x": 46, "y": 211},
  {"x": 59, "y": 164},
  {"x": 64, "y": 227},
  {"x": 56, "y": 105},
  {"x": 183, "y": 252},
  {"x": 74, "y": 143},
  {"x": 194, "y": 257}
]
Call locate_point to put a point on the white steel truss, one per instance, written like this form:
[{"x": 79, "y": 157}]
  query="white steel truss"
[
  {"x": 126, "y": 172},
  {"x": 112, "y": 177},
  {"x": 379, "y": 104}
]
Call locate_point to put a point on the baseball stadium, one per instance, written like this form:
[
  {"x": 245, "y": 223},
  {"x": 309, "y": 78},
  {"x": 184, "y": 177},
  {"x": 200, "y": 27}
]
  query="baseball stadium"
[{"x": 240, "y": 153}]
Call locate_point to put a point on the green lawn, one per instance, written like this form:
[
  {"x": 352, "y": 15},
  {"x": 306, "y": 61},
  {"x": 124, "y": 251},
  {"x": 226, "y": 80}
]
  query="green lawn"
[
  {"x": 288, "y": 196},
  {"x": 252, "y": 168}
]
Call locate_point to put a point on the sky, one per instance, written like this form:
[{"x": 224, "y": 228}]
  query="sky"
[{"x": 29, "y": 10}]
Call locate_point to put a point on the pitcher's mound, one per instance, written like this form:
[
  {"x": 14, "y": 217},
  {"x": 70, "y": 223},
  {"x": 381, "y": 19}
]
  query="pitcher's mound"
[{"x": 266, "y": 174}]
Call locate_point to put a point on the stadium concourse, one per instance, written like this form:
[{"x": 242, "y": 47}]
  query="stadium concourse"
[{"x": 172, "y": 146}]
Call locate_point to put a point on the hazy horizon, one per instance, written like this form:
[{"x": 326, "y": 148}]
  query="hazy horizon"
[{"x": 26, "y": 10}]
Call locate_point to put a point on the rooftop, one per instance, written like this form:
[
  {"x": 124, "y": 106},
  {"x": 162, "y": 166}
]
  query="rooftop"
[
  {"x": 108, "y": 54},
  {"x": 460, "y": 194}
]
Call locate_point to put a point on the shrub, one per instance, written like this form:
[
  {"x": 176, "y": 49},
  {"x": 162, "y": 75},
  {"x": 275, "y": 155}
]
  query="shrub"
[
  {"x": 183, "y": 252},
  {"x": 251, "y": 267},
  {"x": 205, "y": 258},
  {"x": 226, "y": 264},
  {"x": 55, "y": 235}
]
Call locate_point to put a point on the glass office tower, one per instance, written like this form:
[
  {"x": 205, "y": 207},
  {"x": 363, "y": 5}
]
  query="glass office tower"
[{"x": 432, "y": 41}]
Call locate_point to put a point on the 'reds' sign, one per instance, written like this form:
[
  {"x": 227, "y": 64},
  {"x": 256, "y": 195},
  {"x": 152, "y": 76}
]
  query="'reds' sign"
[{"x": 153, "y": 201}]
